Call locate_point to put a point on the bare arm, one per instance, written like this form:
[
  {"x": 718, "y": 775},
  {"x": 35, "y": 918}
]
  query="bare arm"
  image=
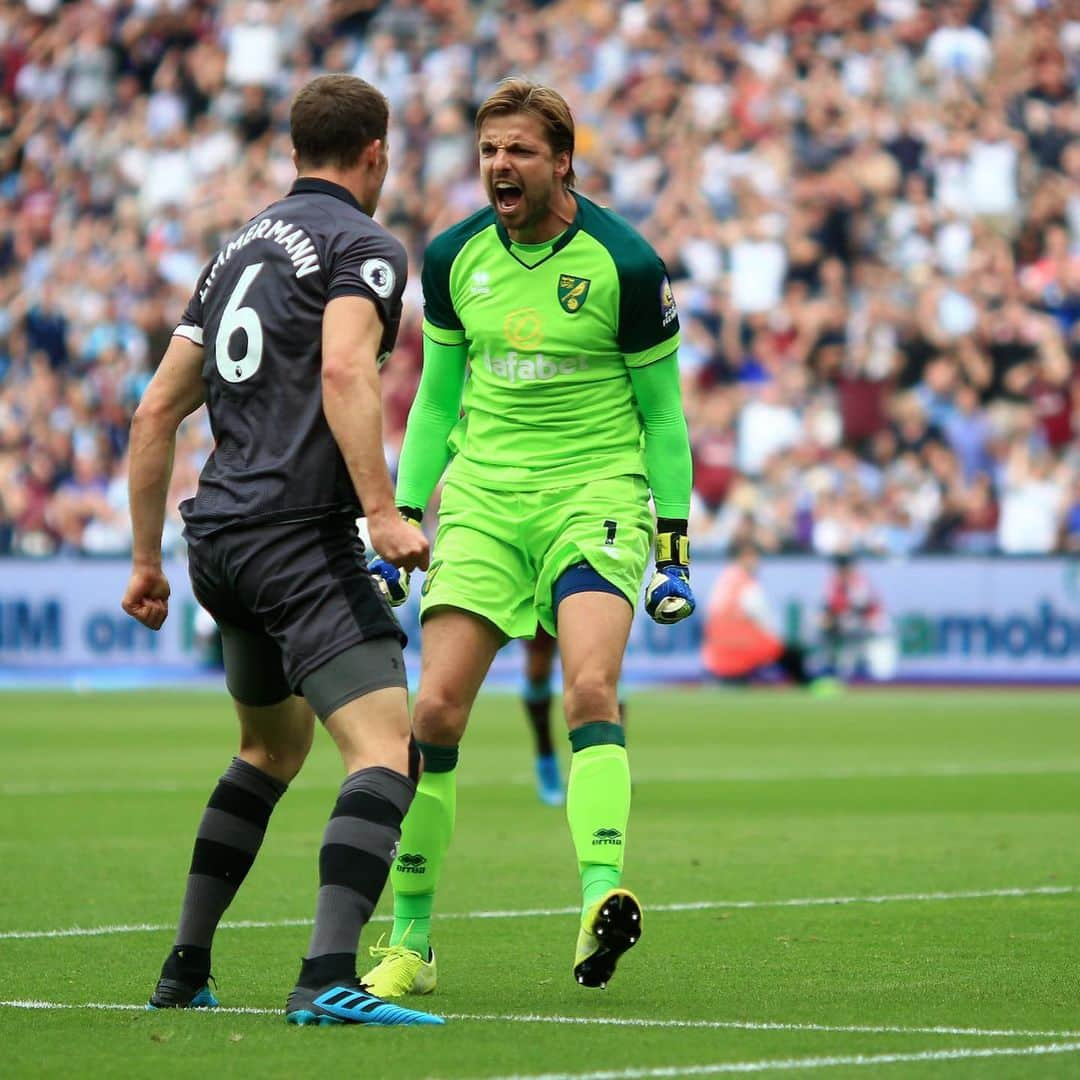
[
  {"x": 352, "y": 403},
  {"x": 175, "y": 391}
]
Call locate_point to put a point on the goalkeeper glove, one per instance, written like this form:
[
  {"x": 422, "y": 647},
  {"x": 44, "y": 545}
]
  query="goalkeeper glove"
[
  {"x": 668, "y": 598},
  {"x": 393, "y": 581}
]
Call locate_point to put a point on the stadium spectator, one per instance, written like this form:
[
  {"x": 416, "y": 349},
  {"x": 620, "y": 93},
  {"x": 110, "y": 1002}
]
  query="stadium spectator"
[
  {"x": 1033, "y": 502},
  {"x": 1072, "y": 519},
  {"x": 882, "y": 195}
]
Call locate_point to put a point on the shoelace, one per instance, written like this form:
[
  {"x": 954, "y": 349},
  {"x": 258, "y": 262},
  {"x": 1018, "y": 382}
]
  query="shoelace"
[{"x": 382, "y": 951}]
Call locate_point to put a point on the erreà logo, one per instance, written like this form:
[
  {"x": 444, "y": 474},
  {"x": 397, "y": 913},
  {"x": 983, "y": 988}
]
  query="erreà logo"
[
  {"x": 607, "y": 836},
  {"x": 429, "y": 577},
  {"x": 412, "y": 864},
  {"x": 572, "y": 292}
]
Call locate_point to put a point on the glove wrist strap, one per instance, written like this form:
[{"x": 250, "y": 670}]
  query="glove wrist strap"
[{"x": 672, "y": 544}]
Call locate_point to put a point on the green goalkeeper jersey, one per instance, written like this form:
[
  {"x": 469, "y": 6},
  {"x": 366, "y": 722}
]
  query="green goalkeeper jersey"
[{"x": 550, "y": 332}]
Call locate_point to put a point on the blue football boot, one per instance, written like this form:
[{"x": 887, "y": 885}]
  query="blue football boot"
[
  {"x": 548, "y": 781},
  {"x": 349, "y": 1002}
]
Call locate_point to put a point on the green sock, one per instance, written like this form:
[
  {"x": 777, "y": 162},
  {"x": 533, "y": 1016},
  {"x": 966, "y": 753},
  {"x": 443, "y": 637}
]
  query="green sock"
[
  {"x": 597, "y": 879},
  {"x": 425, "y": 838},
  {"x": 598, "y": 806},
  {"x": 412, "y": 921}
]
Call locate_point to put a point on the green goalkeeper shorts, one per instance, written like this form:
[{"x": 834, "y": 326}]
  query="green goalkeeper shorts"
[{"x": 498, "y": 554}]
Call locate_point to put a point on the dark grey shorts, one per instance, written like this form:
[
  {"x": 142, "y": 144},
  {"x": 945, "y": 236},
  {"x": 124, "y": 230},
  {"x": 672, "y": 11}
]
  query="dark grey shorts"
[{"x": 292, "y": 601}]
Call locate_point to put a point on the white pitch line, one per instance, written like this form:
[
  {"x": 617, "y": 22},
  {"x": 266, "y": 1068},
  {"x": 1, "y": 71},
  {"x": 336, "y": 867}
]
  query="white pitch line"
[
  {"x": 945, "y": 771},
  {"x": 606, "y": 1021},
  {"x": 798, "y": 902},
  {"x": 141, "y": 928},
  {"x": 766, "y": 1025},
  {"x": 106, "y": 1006},
  {"x": 787, "y": 1064},
  {"x": 522, "y": 913}
]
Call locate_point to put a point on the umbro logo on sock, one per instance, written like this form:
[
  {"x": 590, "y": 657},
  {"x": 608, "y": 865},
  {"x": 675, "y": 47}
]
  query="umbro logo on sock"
[
  {"x": 412, "y": 864},
  {"x": 607, "y": 836}
]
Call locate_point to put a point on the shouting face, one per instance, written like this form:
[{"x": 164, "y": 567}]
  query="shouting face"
[{"x": 523, "y": 177}]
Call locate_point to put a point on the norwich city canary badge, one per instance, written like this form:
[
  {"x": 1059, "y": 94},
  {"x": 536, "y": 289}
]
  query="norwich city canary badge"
[{"x": 572, "y": 292}]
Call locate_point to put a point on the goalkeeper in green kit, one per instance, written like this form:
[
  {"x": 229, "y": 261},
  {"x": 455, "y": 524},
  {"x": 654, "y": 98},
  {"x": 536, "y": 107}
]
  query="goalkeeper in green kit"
[{"x": 550, "y": 388}]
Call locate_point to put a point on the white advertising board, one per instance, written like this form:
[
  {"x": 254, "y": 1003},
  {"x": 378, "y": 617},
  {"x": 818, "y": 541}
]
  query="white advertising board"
[{"x": 953, "y": 619}]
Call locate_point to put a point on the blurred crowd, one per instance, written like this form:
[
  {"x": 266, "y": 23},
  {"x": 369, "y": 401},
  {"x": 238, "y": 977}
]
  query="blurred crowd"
[{"x": 870, "y": 210}]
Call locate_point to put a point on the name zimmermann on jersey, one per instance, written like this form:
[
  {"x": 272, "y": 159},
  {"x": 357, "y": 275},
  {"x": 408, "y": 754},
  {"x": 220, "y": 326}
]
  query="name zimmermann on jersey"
[{"x": 295, "y": 241}]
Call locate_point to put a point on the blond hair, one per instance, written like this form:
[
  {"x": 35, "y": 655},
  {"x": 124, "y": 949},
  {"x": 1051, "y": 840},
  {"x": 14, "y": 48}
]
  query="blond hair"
[{"x": 547, "y": 105}]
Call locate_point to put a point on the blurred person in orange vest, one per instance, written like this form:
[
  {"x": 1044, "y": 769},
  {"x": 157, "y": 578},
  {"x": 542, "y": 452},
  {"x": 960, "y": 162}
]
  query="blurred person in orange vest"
[{"x": 740, "y": 627}]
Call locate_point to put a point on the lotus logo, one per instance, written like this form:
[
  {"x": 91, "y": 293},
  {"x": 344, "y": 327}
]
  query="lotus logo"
[
  {"x": 607, "y": 836},
  {"x": 412, "y": 864}
]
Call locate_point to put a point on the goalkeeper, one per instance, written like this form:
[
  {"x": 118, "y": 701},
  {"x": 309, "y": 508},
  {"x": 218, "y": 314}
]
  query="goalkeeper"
[{"x": 550, "y": 386}]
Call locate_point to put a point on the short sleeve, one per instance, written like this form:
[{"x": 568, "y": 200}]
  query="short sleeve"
[
  {"x": 648, "y": 317},
  {"x": 191, "y": 322},
  {"x": 371, "y": 265},
  {"x": 441, "y": 322}
]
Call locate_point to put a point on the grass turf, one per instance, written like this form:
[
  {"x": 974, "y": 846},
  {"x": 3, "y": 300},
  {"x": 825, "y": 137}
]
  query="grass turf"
[{"x": 747, "y": 801}]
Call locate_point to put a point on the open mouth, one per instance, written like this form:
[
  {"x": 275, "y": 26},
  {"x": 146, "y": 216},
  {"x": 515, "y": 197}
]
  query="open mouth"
[{"x": 507, "y": 196}]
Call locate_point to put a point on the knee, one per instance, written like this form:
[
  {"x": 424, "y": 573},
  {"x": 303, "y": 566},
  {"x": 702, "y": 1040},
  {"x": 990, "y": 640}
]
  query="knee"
[
  {"x": 440, "y": 716},
  {"x": 282, "y": 764},
  {"x": 590, "y": 696},
  {"x": 282, "y": 757}
]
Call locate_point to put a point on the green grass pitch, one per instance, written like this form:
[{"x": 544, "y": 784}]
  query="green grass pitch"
[{"x": 884, "y": 883}]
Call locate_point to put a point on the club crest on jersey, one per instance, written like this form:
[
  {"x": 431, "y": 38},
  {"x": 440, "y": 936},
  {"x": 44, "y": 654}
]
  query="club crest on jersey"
[{"x": 572, "y": 292}]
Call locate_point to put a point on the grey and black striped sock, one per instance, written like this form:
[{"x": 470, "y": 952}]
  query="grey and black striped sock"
[
  {"x": 229, "y": 837},
  {"x": 358, "y": 847}
]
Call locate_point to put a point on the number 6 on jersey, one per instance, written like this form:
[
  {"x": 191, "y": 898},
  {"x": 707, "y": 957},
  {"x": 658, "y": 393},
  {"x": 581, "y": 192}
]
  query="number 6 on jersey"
[{"x": 235, "y": 318}]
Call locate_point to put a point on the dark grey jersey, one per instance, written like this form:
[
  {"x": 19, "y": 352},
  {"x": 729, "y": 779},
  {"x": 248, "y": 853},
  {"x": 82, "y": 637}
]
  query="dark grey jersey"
[{"x": 257, "y": 311}]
